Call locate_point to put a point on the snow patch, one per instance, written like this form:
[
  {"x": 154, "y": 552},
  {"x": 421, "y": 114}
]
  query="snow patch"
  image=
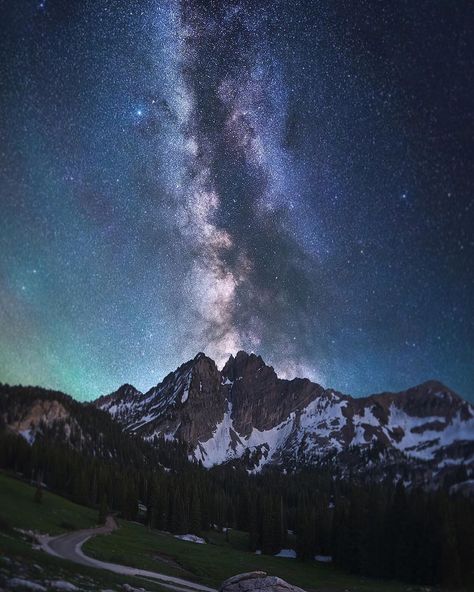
[
  {"x": 185, "y": 395},
  {"x": 29, "y": 435},
  {"x": 192, "y": 538},
  {"x": 323, "y": 558},
  {"x": 218, "y": 448},
  {"x": 62, "y": 585},
  {"x": 21, "y": 583},
  {"x": 424, "y": 444},
  {"x": 226, "y": 444},
  {"x": 288, "y": 553}
]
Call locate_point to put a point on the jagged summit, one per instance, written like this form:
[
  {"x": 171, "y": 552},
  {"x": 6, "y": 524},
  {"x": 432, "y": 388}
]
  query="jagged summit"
[
  {"x": 246, "y": 412},
  {"x": 128, "y": 390},
  {"x": 243, "y": 363}
]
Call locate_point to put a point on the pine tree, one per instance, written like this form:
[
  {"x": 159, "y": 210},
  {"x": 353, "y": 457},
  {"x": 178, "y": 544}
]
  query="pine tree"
[
  {"x": 399, "y": 535},
  {"x": 268, "y": 527},
  {"x": 178, "y": 518},
  {"x": 253, "y": 527},
  {"x": 103, "y": 509},
  {"x": 195, "y": 514},
  {"x": 449, "y": 566},
  {"x": 130, "y": 508},
  {"x": 161, "y": 509},
  {"x": 305, "y": 533},
  {"x": 38, "y": 497}
]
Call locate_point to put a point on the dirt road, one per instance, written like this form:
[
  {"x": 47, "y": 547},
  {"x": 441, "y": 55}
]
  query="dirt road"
[{"x": 69, "y": 546}]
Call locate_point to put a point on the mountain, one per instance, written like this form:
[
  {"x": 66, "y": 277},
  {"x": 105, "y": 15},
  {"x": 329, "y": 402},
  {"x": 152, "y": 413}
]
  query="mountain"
[
  {"x": 245, "y": 412},
  {"x": 33, "y": 413},
  {"x": 316, "y": 452},
  {"x": 56, "y": 419}
]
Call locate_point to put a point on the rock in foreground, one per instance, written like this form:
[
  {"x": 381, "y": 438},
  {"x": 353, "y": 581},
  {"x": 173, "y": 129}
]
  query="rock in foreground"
[{"x": 256, "y": 581}]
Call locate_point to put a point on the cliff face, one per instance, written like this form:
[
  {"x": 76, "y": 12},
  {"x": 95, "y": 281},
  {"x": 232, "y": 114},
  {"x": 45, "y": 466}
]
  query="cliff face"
[
  {"x": 259, "y": 398},
  {"x": 187, "y": 405},
  {"x": 246, "y": 412}
]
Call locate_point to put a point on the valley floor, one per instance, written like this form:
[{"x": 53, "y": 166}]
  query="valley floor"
[
  {"x": 222, "y": 557},
  {"x": 23, "y": 567}
]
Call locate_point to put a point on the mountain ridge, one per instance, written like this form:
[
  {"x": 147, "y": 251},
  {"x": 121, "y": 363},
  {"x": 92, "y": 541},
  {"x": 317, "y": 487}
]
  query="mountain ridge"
[
  {"x": 429, "y": 383},
  {"x": 246, "y": 412}
]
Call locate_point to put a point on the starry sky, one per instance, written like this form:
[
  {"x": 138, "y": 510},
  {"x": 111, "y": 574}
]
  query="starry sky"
[{"x": 292, "y": 178}]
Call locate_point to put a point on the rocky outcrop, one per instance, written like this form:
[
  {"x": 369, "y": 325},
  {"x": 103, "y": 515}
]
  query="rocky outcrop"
[
  {"x": 37, "y": 417},
  {"x": 187, "y": 405},
  {"x": 257, "y": 581},
  {"x": 44, "y": 413},
  {"x": 259, "y": 398}
]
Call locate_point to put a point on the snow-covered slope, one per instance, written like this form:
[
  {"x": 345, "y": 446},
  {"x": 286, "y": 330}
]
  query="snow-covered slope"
[{"x": 246, "y": 412}]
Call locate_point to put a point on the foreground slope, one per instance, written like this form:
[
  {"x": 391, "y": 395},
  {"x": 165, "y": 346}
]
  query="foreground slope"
[{"x": 137, "y": 546}]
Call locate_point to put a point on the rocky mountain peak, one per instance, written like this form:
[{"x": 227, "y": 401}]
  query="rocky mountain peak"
[
  {"x": 128, "y": 390},
  {"x": 186, "y": 405},
  {"x": 433, "y": 398},
  {"x": 203, "y": 364},
  {"x": 126, "y": 394},
  {"x": 244, "y": 365},
  {"x": 199, "y": 364},
  {"x": 428, "y": 399}
]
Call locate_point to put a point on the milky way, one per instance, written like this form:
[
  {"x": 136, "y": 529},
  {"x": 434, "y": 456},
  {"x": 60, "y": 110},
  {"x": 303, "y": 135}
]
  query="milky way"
[
  {"x": 289, "y": 178},
  {"x": 236, "y": 197}
]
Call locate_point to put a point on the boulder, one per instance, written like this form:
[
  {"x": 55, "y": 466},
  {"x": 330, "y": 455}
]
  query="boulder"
[{"x": 257, "y": 581}]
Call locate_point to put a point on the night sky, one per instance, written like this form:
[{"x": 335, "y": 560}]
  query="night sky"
[{"x": 291, "y": 178}]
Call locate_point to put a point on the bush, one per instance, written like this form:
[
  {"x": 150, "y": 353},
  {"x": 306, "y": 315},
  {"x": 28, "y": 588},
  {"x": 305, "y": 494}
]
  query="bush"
[{"x": 5, "y": 526}]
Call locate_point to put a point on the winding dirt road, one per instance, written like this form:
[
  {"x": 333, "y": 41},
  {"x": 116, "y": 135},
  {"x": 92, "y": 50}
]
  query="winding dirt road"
[{"x": 69, "y": 546}]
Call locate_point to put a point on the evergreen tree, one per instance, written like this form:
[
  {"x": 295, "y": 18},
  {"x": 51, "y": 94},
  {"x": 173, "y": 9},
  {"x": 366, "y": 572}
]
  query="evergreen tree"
[
  {"x": 103, "y": 509},
  {"x": 449, "y": 565},
  {"x": 161, "y": 509},
  {"x": 130, "y": 507},
  {"x": 305, "y": 534},
  {"x": 38, "y": 496},
  {"x": 269, "y": 544},
  {"x": 253, "y": 527},
  {"x": 195, "y": 514}
]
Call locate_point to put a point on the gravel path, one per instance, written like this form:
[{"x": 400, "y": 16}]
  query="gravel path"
[{"x": 69, "y": 546}]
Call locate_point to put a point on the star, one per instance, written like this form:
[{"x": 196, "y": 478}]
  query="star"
[{"x": 210, "y": 179}]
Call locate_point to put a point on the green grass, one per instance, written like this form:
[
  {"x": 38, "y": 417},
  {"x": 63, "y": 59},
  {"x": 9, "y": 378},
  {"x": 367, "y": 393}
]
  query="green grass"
[
  {"x": 19, "y": 558},
  {"x": 53, "y": 515},
  {"x": 41, "y": 566},
  {"x": 137, "y": 546}
]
